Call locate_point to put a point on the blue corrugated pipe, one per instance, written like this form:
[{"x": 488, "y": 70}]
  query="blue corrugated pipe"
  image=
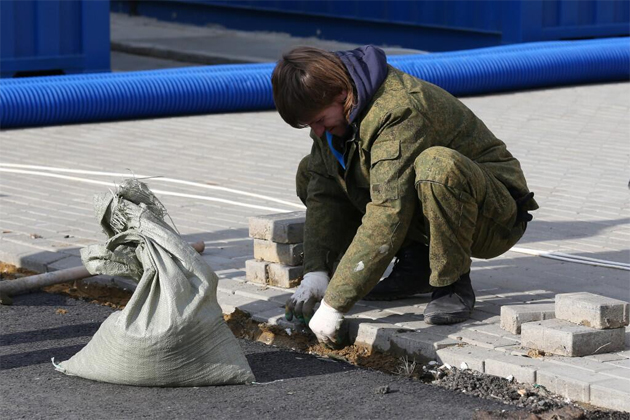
[{"x": 243, "y": 87}]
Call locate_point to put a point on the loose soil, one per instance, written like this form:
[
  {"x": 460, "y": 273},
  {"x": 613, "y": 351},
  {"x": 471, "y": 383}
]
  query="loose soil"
[{"x": 536, "y": 402}]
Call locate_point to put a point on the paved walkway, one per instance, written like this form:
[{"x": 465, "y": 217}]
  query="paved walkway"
[{"x": 572, "y": 143}]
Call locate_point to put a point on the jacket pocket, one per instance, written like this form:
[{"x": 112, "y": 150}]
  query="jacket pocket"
[
  {"x": 386, "y": 150},
  {"x": 384, "y": 171}
]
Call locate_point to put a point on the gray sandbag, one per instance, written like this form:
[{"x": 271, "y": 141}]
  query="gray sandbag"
[{"x": 172, "y": 332}]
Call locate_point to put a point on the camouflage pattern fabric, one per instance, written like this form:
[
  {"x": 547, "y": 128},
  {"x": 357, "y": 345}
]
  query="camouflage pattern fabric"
[{"x": 419, "y": 167}]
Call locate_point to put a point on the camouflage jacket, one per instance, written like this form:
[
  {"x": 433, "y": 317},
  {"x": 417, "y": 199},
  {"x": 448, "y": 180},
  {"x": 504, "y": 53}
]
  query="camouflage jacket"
[{"x": 364, "y": 213}]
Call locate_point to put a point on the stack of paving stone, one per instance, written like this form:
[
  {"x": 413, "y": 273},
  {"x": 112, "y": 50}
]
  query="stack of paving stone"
[
  {"x": 278, "y": 249},
  {"x": 579, "y": 324}
]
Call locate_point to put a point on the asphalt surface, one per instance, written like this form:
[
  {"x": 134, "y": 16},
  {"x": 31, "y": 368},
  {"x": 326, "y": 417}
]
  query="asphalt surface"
[{"x": 289, "y": 385}]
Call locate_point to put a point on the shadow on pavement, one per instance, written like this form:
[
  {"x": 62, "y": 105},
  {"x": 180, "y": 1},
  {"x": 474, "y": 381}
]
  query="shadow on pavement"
[
  {"x": 36, "y": 357},
  {"x": 295, "y": 365},
  {"x": 58, "y": 333},
  {"x": 540, "y": 230}
]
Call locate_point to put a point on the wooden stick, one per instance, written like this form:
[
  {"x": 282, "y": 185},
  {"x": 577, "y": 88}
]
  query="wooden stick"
[{"x": 27, "y": 284}]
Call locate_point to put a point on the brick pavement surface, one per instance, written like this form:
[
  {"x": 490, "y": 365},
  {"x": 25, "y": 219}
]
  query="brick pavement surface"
[{"x": 573, "y": 144}]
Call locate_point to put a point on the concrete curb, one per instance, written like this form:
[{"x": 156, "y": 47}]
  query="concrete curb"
[{"x": 156, "y": 51}]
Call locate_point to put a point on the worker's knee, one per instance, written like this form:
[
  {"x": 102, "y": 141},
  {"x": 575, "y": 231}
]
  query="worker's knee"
[
  {"x": 448, "y": 167},
  {"x": 302, "y": 177}
]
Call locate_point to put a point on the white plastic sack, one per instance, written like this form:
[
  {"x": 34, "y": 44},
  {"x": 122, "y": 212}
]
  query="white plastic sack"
[{"x": 172, "y": 332}]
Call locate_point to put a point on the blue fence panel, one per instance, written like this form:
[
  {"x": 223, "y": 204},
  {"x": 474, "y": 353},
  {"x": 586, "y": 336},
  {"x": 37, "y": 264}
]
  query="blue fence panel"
[{"x": 39, "y": 37}]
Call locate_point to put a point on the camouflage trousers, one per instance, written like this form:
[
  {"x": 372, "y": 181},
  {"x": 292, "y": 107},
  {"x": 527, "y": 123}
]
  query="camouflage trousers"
[{"x": 464, "y": 212}]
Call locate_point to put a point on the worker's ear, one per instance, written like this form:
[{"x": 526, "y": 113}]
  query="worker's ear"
[{"x": 341, "y": 98}]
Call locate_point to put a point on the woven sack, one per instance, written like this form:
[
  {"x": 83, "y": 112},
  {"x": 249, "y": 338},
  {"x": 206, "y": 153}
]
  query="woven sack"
[{"x": 172, "y": 332}]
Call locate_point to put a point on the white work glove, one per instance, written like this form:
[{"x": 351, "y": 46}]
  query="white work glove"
[
  {"x": 326, "y": 324},
  {"x": 310, "y": 291}
]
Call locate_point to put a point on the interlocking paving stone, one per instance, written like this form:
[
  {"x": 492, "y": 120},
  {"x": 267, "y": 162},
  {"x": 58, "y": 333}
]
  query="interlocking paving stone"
[
  {"x": 285, "y": 228},
  {"x": 288, "y": 254},
  {"x": 257, "y": 271},
  {"x": 513, "y": 316},
  {"x": 592, "y": 310},
  {"x": 474, "y": 357},
  {"x": 625, "y": 363},
  {"x": 375, "y": 335},
  {"x": 284, "y": 275},
  {"x": 611, "y": 394},
  {"x": 569, "y": 382},
  {"x": 420, "y": 344},
  {"x": 567, "y": 339},
  {"x": 481, "y": 339},
  {"x": 523, "y": 369}
]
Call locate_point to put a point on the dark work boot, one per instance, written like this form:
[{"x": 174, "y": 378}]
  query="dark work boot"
[
  {"x": 410, "y": 275},
  {"x": 451, "y": 304}
]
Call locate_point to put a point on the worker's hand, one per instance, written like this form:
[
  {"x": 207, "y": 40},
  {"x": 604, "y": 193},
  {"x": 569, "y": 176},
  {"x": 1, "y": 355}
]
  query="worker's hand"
[
  {"x": 310, "y": 291},
  {"x": 326, "y": 324}
]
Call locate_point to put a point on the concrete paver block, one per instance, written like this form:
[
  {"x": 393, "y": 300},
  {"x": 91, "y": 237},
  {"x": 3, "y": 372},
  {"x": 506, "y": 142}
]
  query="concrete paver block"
[
  {"x": 569, "y": 382},
  {"x": 623, "y": 363},
  {"x": 513, "y": 316},
  {"x": 230, "y": 302},
  {"x": 374, "y": 335},
  {"x": 419, "y": 344},
  {"x": 613, "y": 394},
  {"x": 271, "y": 317},
  {"x": 616, "y": 372},
  {"x": 273, "y": 274},
  {"x": 523, "y": 369},
  {"x": 286, "y": 228},
  {"x": 592, "y": 310},
  {"x": 69, "y": 262},
  {"x": 288, "y": 254},
  {"x": 478, "y": 338},
  {"x": 284, "y": 275},
  {"x": 585, "y": 363},
  {"x": 256, "y": 271},
  {"x": 567, "y": 339},
  {"x": 473, "y": 356}
]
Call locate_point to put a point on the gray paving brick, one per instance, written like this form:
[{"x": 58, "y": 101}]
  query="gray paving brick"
[
  {"x": 514, "y": 315},
  {"x": 65, "y": 263},
  {"x": 585, "y": 363},
  {"x": 281, "y": 228},
  {"x": 515, "y": 350},
  {"x": 278, "y": 296},
  {"x": 419, "y": 344},
  {"x": 271, "y": 316},
  {"x": 229, "y": 302},
  {"x": 569, "y": 382},
  {"x": 474, "y": 357},
  {"x": 257, "y": 271},
  {"x": 521, "y": 368},
  {"x": 375, "y": 335},
  {"x": 287, "y": 254},
  {"x": 284, "y": 275},
  {"x": 612, "y": 394},
  {"x": 606, "y": 357},
  {"x": 493, "y": 329},
  {"x": 624, "y": 363},
  {"x": 567, "y": 339},
  {"x": 592, "y": 310},
  {"x": 481, "y": 339},
  {"x": 616, "y": 372}
]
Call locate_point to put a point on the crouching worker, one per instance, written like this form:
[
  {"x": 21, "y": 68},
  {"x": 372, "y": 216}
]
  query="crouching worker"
[{"x": 398, "y": 168}]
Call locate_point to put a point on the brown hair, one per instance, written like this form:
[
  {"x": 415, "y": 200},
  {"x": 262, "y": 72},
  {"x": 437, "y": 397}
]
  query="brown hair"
[{"x": 305, "y": 81}]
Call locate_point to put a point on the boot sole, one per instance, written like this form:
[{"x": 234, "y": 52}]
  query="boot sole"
[{"x": 447, "y": 319}]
